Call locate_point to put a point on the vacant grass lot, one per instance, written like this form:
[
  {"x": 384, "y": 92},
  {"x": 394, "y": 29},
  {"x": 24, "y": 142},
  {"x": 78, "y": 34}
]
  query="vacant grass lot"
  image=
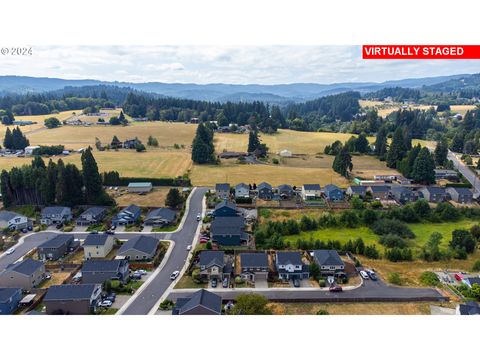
[{"x": 154, "y": 198}]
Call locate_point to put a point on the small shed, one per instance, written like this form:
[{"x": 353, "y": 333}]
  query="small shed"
[
  {"x": 285, "y": 153},
  {"x": 140, "y": 187}
]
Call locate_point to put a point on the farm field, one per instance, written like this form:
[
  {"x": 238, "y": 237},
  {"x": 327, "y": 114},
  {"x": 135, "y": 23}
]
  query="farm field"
[{"x": 386, "y": 108}]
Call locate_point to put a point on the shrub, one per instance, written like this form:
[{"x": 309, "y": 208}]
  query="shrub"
[
  {"x": 463, "y": 239},
  {"x": 392, "y": 226},
  {"x": 275, "y": 161},
  {"x": 166, "y": 304},
  {"x": 397, "y": 254},
  {"x": 392, "y": 240},
  {"x": 322, "y": 312},
  {"x": 238, "y": 280},
  {"x": 428, "y": 278},
  {"x": 321, "y": 283},
  {"x": 394, "y": 278},
  {"x": 476, "y": 266}
]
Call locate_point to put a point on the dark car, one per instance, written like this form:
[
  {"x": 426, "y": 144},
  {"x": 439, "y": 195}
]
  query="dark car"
[
  {"x": 59, "y": 226},
  {"x": 136, "y": 276},
  {"x": 214, "y": 283},
  {"x": 94, "y": 232},
  {"x": 335, "y": 288},
  {"x": 225, "y": 283},
  {"x": 110, "y": 232},
  {"x": 372, "y": 275},
  {"x": 296, "y": 282}
]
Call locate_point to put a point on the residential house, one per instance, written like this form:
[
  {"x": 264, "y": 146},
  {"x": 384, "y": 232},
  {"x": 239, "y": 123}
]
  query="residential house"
[
  {"x": 99, "y": 271},
  {"x": 9, "y": 299},
  {"x": 469, "y": 281},
  {"x": 285, "y": 191},
  {"x": 356, "y": 190},
  {"x": 131, "y": 143},
  {"x": 225, "y": 208},
  {"x": 311, "y": 192},
  {"x": 128, "y": 216},
  {"x": 213, "y": 266},
  {"x": 388, "y": 178},
  {"x": 13, "y": 221},
  {"x": 402, "y": 194},
  {"x": 139, "y": 187},
  {"x": 242, "y": 191},
  {"x": 469, "y": 308},
  {"x": 290, "y": 265},
  {"x": 26, "y": 274},
  {"x": 222, "y": 191},
  {"x": 160, "y": 217},
  {"x": 445, "y": 174},
  {"x": 55, "y": 215},
  {"x": 329, "y": 262},
  {"x": 140, "y": 247},
  {"x": 29, "y": 150},
  {"x": 379, "y": 192},
  {"x": 97, "y": 245},
  {"x": 72, "y": 299},
  {"x": 201, "y": 302},
  {"x": 91, "y": 216},
  {"x": 460, "y": 195},
  {"x": 434, "y": 194},
  {"x": 402, "y": 180},
  {"x": 228, "y": 231},
  {"x": 56, "y": 247},
  {"x": 333, "y": 193},
  {"x": 265, "y": 191},
  {"x": 254, "y": 266}
]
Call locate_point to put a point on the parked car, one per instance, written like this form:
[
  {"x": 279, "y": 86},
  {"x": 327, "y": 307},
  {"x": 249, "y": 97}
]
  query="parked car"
[
  {"x": 214, "y": 283},
  {"x": 372, "y": 275},
  {"x": 113, "y": 227},
  {"x": 296, "y": 283},
  {"x": 24, "y": 230},
  {"x": 189, "y": 247},
  {"x": 364, "y": 275},
  {"x": 48, "y": 276},
  {"x": 136, "y": 276},
  {"x": 105, "y": 303},
  {"x": 94, "y": 232},
  {"x": 225, "y": 282},
  {"x": 203, "y": 241},
  {"x": 199, "y": 217},
  {"x": 174, "y": 275},
  {"x": 30, "y": 228},
  {"x": 110, "y": 232},
  {"x": 59, "y": 226},
  {"x": 10, "y": 251},
  {"x": 335, "y": 288},
  {"x": 458, "y": 277}
]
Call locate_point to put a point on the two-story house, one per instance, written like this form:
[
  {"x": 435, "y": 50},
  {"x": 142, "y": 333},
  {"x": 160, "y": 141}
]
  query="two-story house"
[
  {"x": 222, "y": 191},
  {"x": 402, "y": 194},
  {"x": 26, "y": 274},
  {"x": 434, "y": 194},
  {"x": 228, "y": 231},
  {"x": 212, "y": 265},
  {"x": 97, "y": 245},
  {"x": 13, "y": 221},
  {"x": 9, "y": 300},
  {"x": 55, "y": 248},
  {"x": 225, "y": 208},
  {"x": 329, "y": 262},
  {"x": 242, "y": 191},
  {"x": 290, "y": 266},
  {"x": 52, "y": 215},
  {"x": 460, "y": 195},
  {"x": 265, "y": 191},
  {"x": 127, "y": 216},
  {"x": 254, "y": 266},
  {"x": 311, "y": 192},
  {"x": 79, "y": 299},
  {"x": 333, "y": 193},
  {"x": 140, "y": 247},
  {"x": 91, "y": 216},
  {"x": 160, "y": 217},
  {"x": 99, "y": 271}
]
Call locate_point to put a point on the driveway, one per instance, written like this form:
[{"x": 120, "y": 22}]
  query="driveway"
[{"x": 261, "y": 284}]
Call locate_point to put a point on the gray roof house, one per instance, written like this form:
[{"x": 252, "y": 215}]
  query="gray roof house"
[
  {"x": 55, "y": 215},
  {"x": 379, "y": 192},
  {"x": 225, "y": 208},
  {"x": 127, "y": 216},
  {"x": 140, "y": 247},
  {"x": 97, "y": 245},
  {"x": 9, "y": 300},
  {"x": 26, "y": 274},
  {"x": 72, "y": 299},
  {"x": 201, "y": 302},
  {"x": 290, "y": 265},
  {"x": 311, "y": 191},
  {"x": 160, "y": 217},
  {"x": 469, "y": 308},
  {"x": 460, "y": 195},
  {"x": 469, "y": 281},
  {"x": 254, "y": 266},
  {"x": 265, "y": 191},
  {"x": 242, "y": 190},
  {"x": 333, "y": 192},
  {"x": 12, "y": 220},
  {"x": 356, "y": 190},
  {"x": 99, "y": 271},
  {"x": 434, "y": 194},
  {"x": 222, "y": 191},
  {"x": 285, "y": 191},
  {"x": 212, "y": 265},
  {"x": 228, "y": 231},
  {"x": 329, "y": 261},
  {"x": 93, "y": 215},
  {"x": 56, "y": 247},
  {"x": 402, "y": 194}
]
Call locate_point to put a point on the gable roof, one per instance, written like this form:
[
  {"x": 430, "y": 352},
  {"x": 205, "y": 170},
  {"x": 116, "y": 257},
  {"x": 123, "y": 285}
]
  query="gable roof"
[
  {"x": 70, "y": 292},
  {"x": 222, "y": 187},
  {"x": 289, "y": 257},
  {"x": 264, "y": 185},
  {"x": 254, "y": 260},
  {"x": 469, "y": 308},
  {"x": 57, "y": 241},
  {"x": 284, "y": 187},
  {"x": 163, "y": 213},
  {"x": 93, "y": 211},
  {"x": 473, "y": 280},
  {"x": 330, "y": 187},
  {"x": 226, "y": 203},
  {"x": 398, "y": 190},
  {"x": 139, "y": 184},
  {"x": 26, "y": 267},
  {"x": 211, "y": 257},
  {"x": 358, "y": 189},
  {"x": 460, "y": 190},
  {"x": 102, "y": 265},
  {"x": 379, "y": 188},
  {"x": 7, "y": 293},
  {"x": 437, "y": 190},
  {"x": 54, "y": 210},
  {"x": 134, "y": 209},
  {"x": 232, "y": 225},
  {"x": 8, "y": 215},
  {"x": 242, "y": 186},
  {"x": 142, "y": 243},
  {"x": 95, "y": 240},
  {"x": 312, "y": 187},
  {"x": 327, "y": 258},
  {"x": 202, "y": 298}
]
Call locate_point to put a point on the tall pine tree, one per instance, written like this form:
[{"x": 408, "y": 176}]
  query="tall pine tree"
[
  {"x": 343, "y": 162},
  {"x": 423, "y": 168},
  {"x": 92, "y": 181},
  {"x": 397, "y": 150},
  {"x": 202, "y": 147},
  {"x": 381, "y": 142},
  {"x": 441, "y": 152}
]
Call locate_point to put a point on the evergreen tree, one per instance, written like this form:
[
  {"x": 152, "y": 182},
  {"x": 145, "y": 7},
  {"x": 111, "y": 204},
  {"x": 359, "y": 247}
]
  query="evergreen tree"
[
  {"x": 397, "y": 150},
  {"x": 38, "y": 162},
  {"x": 61, "y": 191},
  {"x": 174, "y": 198},
  {"x": 49, "y": 186},
  {"x": 361, "y": 144},
  {"x": 441, "y": 152},
  {"x": 458, "y": 142},
  {"x": 381, "y": 142},
  {"x": 121, "y": 118},
  {"x": 202, "y": 147},
  {"x": 7, "y": 197},
  {"x": 405, "y": 166},
  {"x": 74, "y": 185},
  {"x": 253, "y": 141},
  {"x": 94, "y": 192},
  {"x": 343, "y": 162},
  {"x": 423, "y": 168},
  {"x": 8, "y": 139}
]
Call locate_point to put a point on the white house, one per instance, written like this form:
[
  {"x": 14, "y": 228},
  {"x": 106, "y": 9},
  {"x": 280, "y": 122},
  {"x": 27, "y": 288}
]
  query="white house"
[
  {"x": 311, "y": 191},
  {"x": 12, "y": 220},
  {"x": 242, "y": 190},
  {"x": 30, "y": 149}
]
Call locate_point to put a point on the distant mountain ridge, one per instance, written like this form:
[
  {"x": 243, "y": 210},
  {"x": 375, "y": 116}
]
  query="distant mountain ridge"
[{"x": 280, "y": 93}]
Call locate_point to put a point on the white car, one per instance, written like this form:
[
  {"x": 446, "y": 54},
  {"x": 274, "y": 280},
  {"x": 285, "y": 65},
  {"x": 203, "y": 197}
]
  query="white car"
[
  {"x": 10, "y": 251},
  {"x": 141, "y": 271},
  {"x": 189, "y": 247},
  {"x": 364, "y": 275},
  {"x": 199, "y": 217},
  {"x": 174, "y": 275},
  {"x": 105, "y": 303}
]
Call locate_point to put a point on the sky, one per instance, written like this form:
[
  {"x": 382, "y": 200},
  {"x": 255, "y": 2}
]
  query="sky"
[{"x": 223, "y": 64}]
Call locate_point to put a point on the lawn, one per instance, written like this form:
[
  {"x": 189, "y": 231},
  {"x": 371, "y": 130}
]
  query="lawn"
[
  {"x": 154, "y": 198},
  {"x": 186, "y": 282}
]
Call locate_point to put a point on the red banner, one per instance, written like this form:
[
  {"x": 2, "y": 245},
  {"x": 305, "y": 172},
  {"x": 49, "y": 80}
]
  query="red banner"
[{"x": 421, "y": 51}]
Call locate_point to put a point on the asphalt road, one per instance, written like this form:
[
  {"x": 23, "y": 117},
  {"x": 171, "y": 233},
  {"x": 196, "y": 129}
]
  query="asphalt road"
[
  {"x": 466, "y": 172},
  {"x": 370, "y": 291},
  {"x": 182, "y": 238}
]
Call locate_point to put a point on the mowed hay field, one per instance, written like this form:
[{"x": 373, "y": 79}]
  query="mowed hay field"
[{"x": 386, "y": 108}]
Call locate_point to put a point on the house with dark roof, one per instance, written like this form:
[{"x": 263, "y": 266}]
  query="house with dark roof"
[
  {"x": 222, "y": 191},
  {"x": 402, "y": 194},
  {"x": 434, "y": 194},
  {"x": 445, "y": 174},
  {"x": 225, "y": 208},
  {"x": 97, "y": 245},
  {"x": 254, "y": 266},
  {"x": 55, "y": 248},
  {"x": 201, "y": 302},
  {"x": 469, "y": 281},
  {"x": 52, "y": 215},
  {"x": 26, "y": 274},
  {"x": 265, "y": 191},
  {"x": 13, "y": 221},
  {"x": 242, "y": 191},
  {"x": 460, "y": 195},
  {"x": 140, "y": 247},
  {"x": 379, "y": 192},
  {"x": 91, "y": 216},
  {"x": 9, "y": 300},
  {"x": 99, "y": 271},
  {"x": 333, "y": 193},
  {"x": 72, "y": 299},
  {"x": 160, "y": 217},
  {"x": 127, "y": 216},
  {"x": 356, "y": 190},
  {"x": 311, "y": 191},
  {"x": 285, "y": 191},
  {"x": 228, "y": 231},
  {"x": 469, "y": 308},
  {"x": 290, "y": 265},
  {"x": 212, "y": 265},
  {"x": 329, "y": 262}
]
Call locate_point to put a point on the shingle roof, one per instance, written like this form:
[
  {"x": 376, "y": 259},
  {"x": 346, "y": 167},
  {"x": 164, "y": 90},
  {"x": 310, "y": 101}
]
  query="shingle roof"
[
  {"x": 94, "y": 211},
  {"x": 358, "y": 189},
  {"x": 134, "y": 209},
  {"x": 102, "y": 265},
  {"x": 331, "y": 187},
  {"x": 289, "y": 257},
  {"x": 264, "y": 185},
  {"x": 210, "y": 258},
  {"x": 284, "y": 187},
  {"x": 143, "y": 243},
  {"x": 253, "y": 260},
  {"x": 226, "y": 203},
  {"x": 435, "y": 190},
  {"x": 95, "y": 240},
  {"x": 27, "y": 266},
  {"x": 57, "y": 241},
  {"x": 242, "y": 186},
  {"x": 8, "y": 215},
  {"x": 232, "y": 225},
  {"x": 203, "y": 298},
  {"x": 53, "y": 210},
  {"x": 461, "y": 190},
  {"x": 163, "y": 213},
  {"x": 222, "y": 187},
  {"x": 70, "y": 292},
  {"x": 469, "y": 308},
  {"x": 7, "y": 293},
  {"x": 379, "y": 188},
  {"x": 400, "y": 190},
  {"x": 314, "y": 187},
  {"x": 473, "y": 280},
  {"x": 327, "y": 257}
]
